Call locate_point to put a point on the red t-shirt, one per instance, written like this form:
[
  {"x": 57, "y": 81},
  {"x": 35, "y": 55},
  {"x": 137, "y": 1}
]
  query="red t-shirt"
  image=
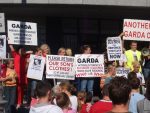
[
  {"x": 101, "y": 107},
  {"x": 20, "y": 66},
  {"x": 85, "y": 108}
]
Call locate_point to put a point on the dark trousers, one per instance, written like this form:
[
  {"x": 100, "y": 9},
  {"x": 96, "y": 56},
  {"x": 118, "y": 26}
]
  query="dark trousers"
[{"x": 10, "y": 97}]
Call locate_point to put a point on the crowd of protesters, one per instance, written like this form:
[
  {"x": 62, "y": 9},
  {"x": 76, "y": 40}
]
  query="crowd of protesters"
[{"x": 119, "y": 94}]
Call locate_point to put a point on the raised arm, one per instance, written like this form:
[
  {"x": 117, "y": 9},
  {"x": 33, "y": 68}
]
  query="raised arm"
[{"x": 11, "y": 48}]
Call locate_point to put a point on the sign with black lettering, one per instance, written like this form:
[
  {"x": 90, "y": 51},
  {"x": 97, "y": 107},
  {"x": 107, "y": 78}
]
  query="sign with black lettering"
[
  {"x": 121, "y": 71},
  {"x": 2, "y": 22},
  {"x": 136, "y": 29},
  {"x": 114, "y": 48},
  {"x": 60, "y": 67},
  {"x": 22, "y": 33},
  {"x": 3, "y": 46},
  {"x": 89, "y": 65},
  {"x": 36, "y": 67}
]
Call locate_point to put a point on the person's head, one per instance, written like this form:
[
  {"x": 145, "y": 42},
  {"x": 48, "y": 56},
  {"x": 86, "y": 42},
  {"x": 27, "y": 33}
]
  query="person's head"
[
  {"x": 10, "y": 64},
  {"x": 112, "y": 70},
  {"x": 132, "y": 75},
  {"x": 62, "y": 51},
  {"x": 38, "y": 51},
  {"x": 133, "y": 45},
  {"x": 43, "y": 90},
  {"x": 56, "y": 90},
  {"x": 119, "y": 91},
  {"x": 136, "y": 66},
  {"x": 102, "y": 83},
  {"x": 62, "y": 100},
  {"x": 147, "y": 94},
  {"x": 105, "y": 91},
  {"x": 81, "y": 96},
  {"x": 45, "y": 49},
  {"x": 85, "y": 49},
  {"x": 134, "y": 83},
  {"x": 95, "y": 99},
  {"x": 88, "y": 97},
  {"x": 20, "y": 50},
  {"x": 66, "y": 87},
  {"x": 68, "y": 52}
]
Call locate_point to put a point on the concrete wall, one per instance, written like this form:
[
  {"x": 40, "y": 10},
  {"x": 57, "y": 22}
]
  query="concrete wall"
[{"x": 142, "y": 3}]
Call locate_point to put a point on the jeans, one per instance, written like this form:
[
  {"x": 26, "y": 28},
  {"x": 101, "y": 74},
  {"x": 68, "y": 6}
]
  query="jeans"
[
  {"x": 87, "y": 83},
  {"x": 146, "y": 73},
  {"x": 10, "y": 97}
]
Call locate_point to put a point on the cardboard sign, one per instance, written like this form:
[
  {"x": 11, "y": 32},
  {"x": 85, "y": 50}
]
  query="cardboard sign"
[
  {"x": 121, "y": 71},
  {"x": 2, "y": 23},
  {"x": 136, "y": 30},
  {"x": 91, "y": 65},
  {"x": 2, "y": 46},
  {"x": 22, "y": 33},
  {"x": 114, "y": 48},
  {"x": 36, "y": 67},
  {"x": 60, "y": 67}
]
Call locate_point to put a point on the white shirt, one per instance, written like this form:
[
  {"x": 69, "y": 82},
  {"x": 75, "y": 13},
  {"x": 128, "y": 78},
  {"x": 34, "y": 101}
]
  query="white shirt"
[
  {"x": 74, "y": 102},
  {"x": 141, "y": 77},
  {"x": 46, "y": 109}
]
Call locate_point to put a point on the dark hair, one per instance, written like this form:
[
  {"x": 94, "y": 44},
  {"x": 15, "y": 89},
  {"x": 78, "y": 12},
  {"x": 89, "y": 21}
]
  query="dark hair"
[
  {"x": 119, "y": 90},
  {"x": 38, "y": 49},
  {"x": 134, "y": 83},
  {"x": 132, "y": 75},
  {"x": 42, "y": 89},
  {"x": 19, "y": 47},
  {"x": 84, "y": 47},
  {"x": 62, "y": 100},
  {"x": 95, "y": 99},
  {"x": 105, "y": 91},
  {"x": 7, "y": 62},
  {"x": 133, "y": 42},
  {"x": 88, "y": 97},
  {"x": 147, "y": 94}
]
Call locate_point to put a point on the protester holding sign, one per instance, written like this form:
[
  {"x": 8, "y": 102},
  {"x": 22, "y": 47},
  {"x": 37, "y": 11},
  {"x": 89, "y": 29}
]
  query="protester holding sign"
[
  {"x": 20, "y": 57},
  {"x": 45, "y": 49}
]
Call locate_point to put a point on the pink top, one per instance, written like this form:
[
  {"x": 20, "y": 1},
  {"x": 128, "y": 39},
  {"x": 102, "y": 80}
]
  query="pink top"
[{"x": 69, "y": 110}]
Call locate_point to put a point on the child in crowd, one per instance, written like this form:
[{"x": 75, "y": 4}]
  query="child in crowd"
[
  {"x": 81, "y": 99},
  {"x": 64, "y": 103},
  {"x": 43, "y": 93},
  {"x": 87, "y": 106},
  {"x": 67, "y": 88},
  {"x": 10, "y": 82}
]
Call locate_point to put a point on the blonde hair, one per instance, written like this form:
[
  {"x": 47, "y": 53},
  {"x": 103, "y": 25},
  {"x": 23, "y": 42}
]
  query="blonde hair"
[
  {"x": 68, "y": 52},
  {"x": 61, "y": 49},
  {"x": 43, "y": 46}
]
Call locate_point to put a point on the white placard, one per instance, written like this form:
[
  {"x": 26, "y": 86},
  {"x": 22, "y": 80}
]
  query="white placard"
[
  {"x": 22, "y": 33},
  {"x": 121, "y": 71},
  {"x": 36, "y": 67},
  {"x": 89, "y": 65},
  {"x": 114, "y": 48},
  {"x": 2, "y": 22},
  {"x": 136, "y": 30},
  {"x": 60, "y": 67},
  {"x": 3, "y": 46}
]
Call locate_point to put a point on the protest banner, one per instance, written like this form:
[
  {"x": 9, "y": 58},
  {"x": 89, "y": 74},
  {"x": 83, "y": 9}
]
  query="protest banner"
[
  {"x": 114, "y": 48},
  {"x": 22, "y": 33},
  {"x": 60, "y": 67},
  {"x": 3, "y": 46},
  {"x": 91, "y": 65},
  {"x": 121, "y": 71},
  {"x": 36, "y": 67},
  {"x": 136, "y": 30},
  {"x": 2, "y": 23}
]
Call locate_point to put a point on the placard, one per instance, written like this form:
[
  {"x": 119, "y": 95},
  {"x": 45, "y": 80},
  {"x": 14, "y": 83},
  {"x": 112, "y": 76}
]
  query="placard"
[
  {"x": 2, "y": 22},
  {"x": 136, "y": 30},
  {"x": 89, "y": 65},
  {"x": 3, "y": 46},
  {"x": 114, "y": 48},
  {"x": 36, "y": 67},
  {"x": 121, "y": 71},
  {"x": 22, "y": 33},
  {"x": 60, "y": 67}
]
